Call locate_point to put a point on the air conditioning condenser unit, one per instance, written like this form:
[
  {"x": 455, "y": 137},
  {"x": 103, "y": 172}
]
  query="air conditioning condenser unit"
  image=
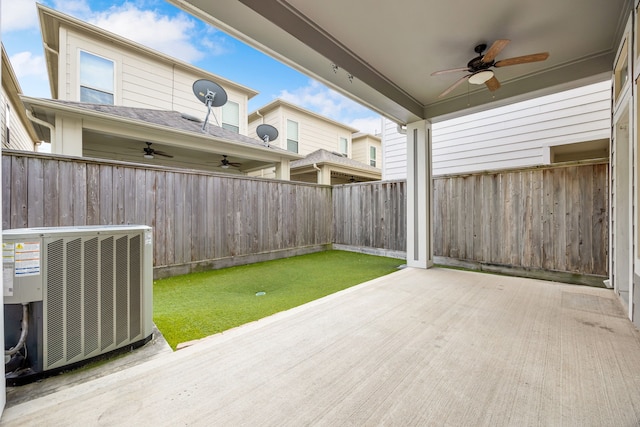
[{"x": 74, "y": 293}]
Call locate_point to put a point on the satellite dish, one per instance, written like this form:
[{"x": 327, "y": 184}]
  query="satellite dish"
[
  {"x": 210, "y": 94},
  {"x": 267, "y": 133}
]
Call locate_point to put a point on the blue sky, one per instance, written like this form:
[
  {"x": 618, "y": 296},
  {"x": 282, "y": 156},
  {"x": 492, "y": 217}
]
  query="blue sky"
[{"x": 163, "y": 27}]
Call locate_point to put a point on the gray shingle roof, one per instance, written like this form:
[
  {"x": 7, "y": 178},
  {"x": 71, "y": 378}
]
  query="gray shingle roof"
[
  {"x": 324, "y": 156},
  {"x": 173, "y": 119}
]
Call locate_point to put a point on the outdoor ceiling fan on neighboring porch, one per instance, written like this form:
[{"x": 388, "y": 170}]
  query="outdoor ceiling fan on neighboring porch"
[
  {"x": 150, "y": 153},
  {"x": 479, "y": 68},
  {"x": 225, "y": 163}
]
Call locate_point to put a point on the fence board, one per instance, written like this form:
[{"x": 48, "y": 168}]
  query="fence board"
[
  {"x": 197, "y": 218},
  {"x": 552, "y": 219}
]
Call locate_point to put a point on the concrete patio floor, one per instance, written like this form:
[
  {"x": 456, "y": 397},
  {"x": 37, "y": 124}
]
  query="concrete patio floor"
[{"x": 418, "y": 347}]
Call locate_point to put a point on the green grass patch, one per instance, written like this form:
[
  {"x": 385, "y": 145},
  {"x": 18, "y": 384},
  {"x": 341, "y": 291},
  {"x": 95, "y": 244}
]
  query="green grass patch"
[{"x": 196, "y": 305}]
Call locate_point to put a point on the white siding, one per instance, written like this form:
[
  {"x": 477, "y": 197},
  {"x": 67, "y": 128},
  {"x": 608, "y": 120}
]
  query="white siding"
[
  {"x": 19, "y": 138},
  {"x": 517, "y": 135},
  {"x": 361, "y": 148},
  {"x": 143, "y": 81},
  {"x": 313, "y": 132},
  {"x": 394, "y": 157}
]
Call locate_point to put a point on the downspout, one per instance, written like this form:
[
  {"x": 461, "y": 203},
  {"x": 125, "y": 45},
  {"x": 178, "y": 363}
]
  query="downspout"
[
  {"x": 260, "y": 115},
  {"x": 52, "y": 128},
  {"x": 315, "y": 166}
]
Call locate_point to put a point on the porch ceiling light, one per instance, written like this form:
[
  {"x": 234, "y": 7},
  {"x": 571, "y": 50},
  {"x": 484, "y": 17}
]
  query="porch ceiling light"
[
  {"x": 224, "y": 166},
  {"x": 480, "y": 77},
  {"x": 148, "y": 156}
]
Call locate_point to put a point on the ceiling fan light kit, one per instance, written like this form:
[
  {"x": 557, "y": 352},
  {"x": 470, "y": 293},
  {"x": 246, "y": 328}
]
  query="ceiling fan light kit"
[{"x": 480, "y": 77}]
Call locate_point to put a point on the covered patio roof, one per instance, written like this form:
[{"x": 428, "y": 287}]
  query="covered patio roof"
[
  {"x": 121, "y": 133},
  {"x": 384, "y": 56}
]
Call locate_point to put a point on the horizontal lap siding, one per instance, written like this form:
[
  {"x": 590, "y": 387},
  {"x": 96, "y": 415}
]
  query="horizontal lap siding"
[{"x": 195, "y": 216}]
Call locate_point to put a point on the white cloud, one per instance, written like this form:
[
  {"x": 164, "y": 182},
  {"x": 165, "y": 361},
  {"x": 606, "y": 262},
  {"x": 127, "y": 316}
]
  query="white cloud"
[
  {"x": 329, "y": 103},
  {"x": 170, "y": 35},
  {"x": 27, "y": 64},
  {"x": 79, "y": 8},
  {"x": 18, "y": 15},
  {"x": 372, "y": 125},
  {"x": 31, "y": 72}
]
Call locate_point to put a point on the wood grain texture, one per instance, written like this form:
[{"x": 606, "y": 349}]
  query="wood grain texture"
[{"x": 196, "y": 217}]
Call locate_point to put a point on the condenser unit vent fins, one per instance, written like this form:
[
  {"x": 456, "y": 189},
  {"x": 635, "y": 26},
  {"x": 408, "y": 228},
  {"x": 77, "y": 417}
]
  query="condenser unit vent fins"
[
  {"x": 122, "y": 294},
  {"x": 106, "y": 293},
  {"x": 92, "y": 298},
  {"x": 135, "y": 290},
  {"x": 91, "y": 301},
  {"x": 55, "y": 299}
]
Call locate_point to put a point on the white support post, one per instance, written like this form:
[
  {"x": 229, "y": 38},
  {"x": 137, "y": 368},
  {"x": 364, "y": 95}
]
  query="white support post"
[
  {"x": 283, "y": 170},
  {"x": 324, "y": 175},
  {"x": 419, "y": 195}
]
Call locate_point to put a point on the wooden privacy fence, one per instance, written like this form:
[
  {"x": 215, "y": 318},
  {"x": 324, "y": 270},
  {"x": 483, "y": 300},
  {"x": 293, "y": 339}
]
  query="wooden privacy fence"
[
  {"x": 554, "y": 219},
  {"x": 200, "y": 220},
  {"x": 371, "y": 215}
]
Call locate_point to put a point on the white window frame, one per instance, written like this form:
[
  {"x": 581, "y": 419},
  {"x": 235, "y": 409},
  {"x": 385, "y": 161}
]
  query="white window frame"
[
  {"x": 373, "y": 159},
  {"x": 343, "y": 150},
  {"x": 226, "y": 122},
  {"x": 94, "y": 88},
  {"x": 291, "y": 141}
]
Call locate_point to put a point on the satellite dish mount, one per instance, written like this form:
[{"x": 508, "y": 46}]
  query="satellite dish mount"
[
  {"x": 210, "y": 94},
  {"x": 267, "y": 133}
]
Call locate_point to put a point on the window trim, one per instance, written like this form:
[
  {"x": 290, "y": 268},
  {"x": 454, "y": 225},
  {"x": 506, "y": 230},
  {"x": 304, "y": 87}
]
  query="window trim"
[
  {"x": 89, "y": 87},
  {"x": 234, "y": 127},
  {"x": 291, "y": 141}
]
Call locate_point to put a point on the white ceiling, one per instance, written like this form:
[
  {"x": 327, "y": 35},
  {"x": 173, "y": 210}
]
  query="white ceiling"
[{"x": 391, "y": 47}]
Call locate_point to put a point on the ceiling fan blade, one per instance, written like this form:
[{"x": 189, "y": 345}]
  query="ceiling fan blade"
[
  {"x": 522, "y": 59},
  {"x": 162, "y": 153},
  {"x": 452, "y": 70},
  {"x": 494, "y": 50},
  {"x": 453, "y": 86},
  {"x": 492, "y": 84}
]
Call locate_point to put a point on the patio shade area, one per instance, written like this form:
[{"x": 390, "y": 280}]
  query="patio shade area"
[{"x": 417, "y": 347}]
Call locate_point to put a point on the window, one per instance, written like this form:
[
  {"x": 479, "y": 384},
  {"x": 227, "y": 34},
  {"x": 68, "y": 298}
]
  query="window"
[
  {"x": 292, "y": 136},
  {"x": 96, "y": 79},
  {"x": 231, "y": 116},
  {"x": 372, "y": 156},
  {"x": 343, "y": 146}
]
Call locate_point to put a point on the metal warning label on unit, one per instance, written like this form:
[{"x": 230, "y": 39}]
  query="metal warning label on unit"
[{"x": 27, "y": 258}]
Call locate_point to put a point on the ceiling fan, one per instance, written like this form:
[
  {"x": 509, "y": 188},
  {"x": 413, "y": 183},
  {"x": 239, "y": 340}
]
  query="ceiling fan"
[
  {"x": 225, "y": 163},
  {"x": 150, "y": 153},
  {"x": 479, "y": 68}
]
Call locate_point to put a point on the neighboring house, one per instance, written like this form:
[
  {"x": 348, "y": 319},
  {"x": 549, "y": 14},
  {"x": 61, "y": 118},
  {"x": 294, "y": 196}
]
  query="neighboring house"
[
  {"x": 17, "y": 131},
  {"x": 121, "y": 133},
  {"x": 309, "y": 134},
  {"x": 367, "y": 149},
  {"x": 328, "y": 168},
  {"x": 92, "y": 66},
  {"x": 565, "y": 126}
]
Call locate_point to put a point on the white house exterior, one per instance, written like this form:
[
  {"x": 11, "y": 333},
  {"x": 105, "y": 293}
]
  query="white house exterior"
[
  {"x": 306, "y": 133},
  {"x": 565, "y": 126},
  {"x": 17, "y": 130},
  {"x": 88, "y": 64}
]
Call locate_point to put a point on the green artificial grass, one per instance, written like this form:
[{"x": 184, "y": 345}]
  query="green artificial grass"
[{"x": 200, "y": 304}]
